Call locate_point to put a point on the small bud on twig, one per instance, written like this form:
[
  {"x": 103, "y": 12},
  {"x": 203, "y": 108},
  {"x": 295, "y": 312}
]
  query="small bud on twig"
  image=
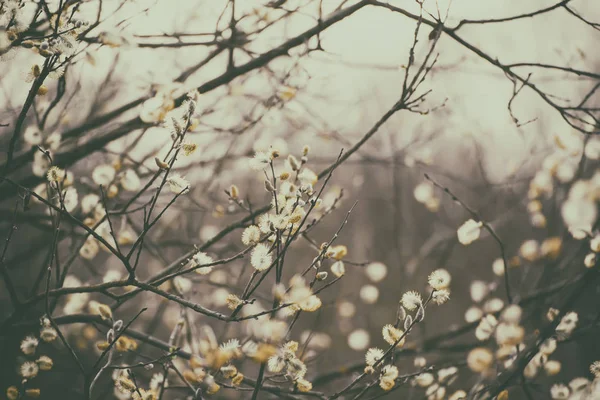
[
  {"x": 269, "y": 186},
  {"x": 321, "y": 276},
  {"x": 161, "y": 164},
  {"x": 420, "y": 314},
  {"x": 407, "y": 322},
  {"x": 234, "y": 192}
]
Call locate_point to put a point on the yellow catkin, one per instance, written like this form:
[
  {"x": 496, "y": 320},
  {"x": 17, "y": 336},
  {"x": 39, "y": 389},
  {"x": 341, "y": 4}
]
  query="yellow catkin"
[
  {"x": 503, "y": 395},
  {"x": 32, "y": 393},
  {"x": 102, "y": 345},
  {"x": 12, "y": 393}
]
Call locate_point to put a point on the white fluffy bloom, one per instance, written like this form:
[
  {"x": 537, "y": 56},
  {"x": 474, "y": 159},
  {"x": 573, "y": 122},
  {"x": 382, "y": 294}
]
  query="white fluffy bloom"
[
  {"x": 391, "y": 335},
  {"x": 130, "y": 181},
  {"x": 154, "y": 109},
  {"x": 178, "y": 184},
  {"x": 595, "y": 369},
  {"x": 480, "y": 359},
  {"x": 458, "y": 395},
  {"x": 373, "y": 355},
  {"x": 446, "y": 374},
  {"x": 441, "y": 296},
  {"x": 90, "y": 249},
  {"x": 183, "y": 285},
  {"x": 250, "y": 348},
  {"x": 70, "y": 199},
  {"x": 579, "y": 213},
  {"x": 55, "y": 174},
  {"x": 28, "y": 345},
  {"x": 479, "y": 290},
  {"x": 104, "y": 231},
  {"x": 338, "y": 269},
  {"x": 202, "y": 258},
  {"x": 76, "y": 302},
  {"x": 411, "y": 300},
  {"x": 595, "y": 243},
  {"x": 590, "y": 260},
  {"x": 509, "y": 334},
  {"x": 493, "y": 305},
  {"x": 276, "y": 364},
  {"x": 308, "y": 177},
  {"x": 199, "y": 259},
  {"x": 264, "y": 223},
  {"x": 260, "y": 160},
  {"x": 425, "y": 379},
  {"x": 261, "y": 258},
  {"x": 424, "y": 192},
  {"x": 469, "y": 232},
  {"x": 566, "y": 171},
  {"x": 230, "y": 345},
  {"x": 530, "y": 250},
  {"x": 32, "y": 136},
  {"x": 310, "y": 304},
  {"x": 498, "y": 267},
  {"x": 578, "y": 385},
  {"x": 296, "y": 369},
  {"x": 390, "y": 371},
  {"x": 542, "y": 182},
  {"x": 579, "y": 233},
  {"x": 157, "y": 381},
  {"x": 473, "y": 314},
  {"x": 512, "y": 314},
  {"x": 89, "y": 202},
  {"x": 486, "y": 327},
  {"x": 251, "y": 235},
  {"x": 439, "y": 279},
  {"x": 48, "y": 334},
  {"x": 29, "y": 370},
  {"x": 559, "y": 392},
  {"x": 103, "y": 174}
]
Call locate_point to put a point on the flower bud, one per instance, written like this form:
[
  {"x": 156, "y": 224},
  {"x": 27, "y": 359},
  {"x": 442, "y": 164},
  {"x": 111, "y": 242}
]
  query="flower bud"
[
  {"x": 161, "y": 164},
  {"x": 269, "y": 186},
  {"x": 321, "y": 276},
  {"x": 407, "y": 322},
  {"x": 118, "y": 325}
]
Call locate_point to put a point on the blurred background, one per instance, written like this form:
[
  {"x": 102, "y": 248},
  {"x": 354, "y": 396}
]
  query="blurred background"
[{"x": 475, "y": 139}]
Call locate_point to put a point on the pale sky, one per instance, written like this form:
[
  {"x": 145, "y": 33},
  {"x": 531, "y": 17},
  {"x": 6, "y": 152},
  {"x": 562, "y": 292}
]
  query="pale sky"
[{"x": 347, "y": 89}]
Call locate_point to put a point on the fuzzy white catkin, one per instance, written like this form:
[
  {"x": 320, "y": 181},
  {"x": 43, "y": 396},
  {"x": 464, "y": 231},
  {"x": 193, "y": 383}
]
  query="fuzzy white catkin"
[
  {"x": 590, "y": 260},
  {"x": 479, "y": 290},
  {"x": 498, "y": 267},
  {"x": 473, "y": 314},
  {"x": 469, "y": 232},
  {"x": 423, "y": 192}
]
